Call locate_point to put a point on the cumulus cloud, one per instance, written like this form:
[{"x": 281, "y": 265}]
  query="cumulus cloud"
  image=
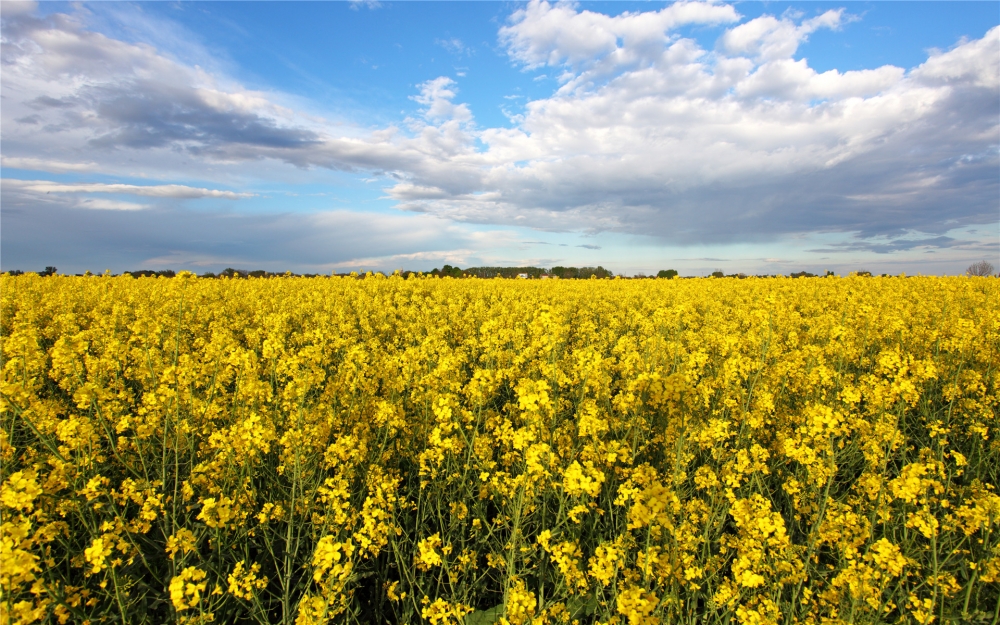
[
  {"x": 769, "y": 38},
  {"x": 971, "y": 63},
  {"x": 709, "y": 147},
  {"x": 647, "y": 132},
  {"x": 793, "y": 80},
  {"x": 90, "y": 94},
  {"x": 555, "y": 34},
  {"x": 744, "y": 143},
  {"x": 437, "y": 95}
]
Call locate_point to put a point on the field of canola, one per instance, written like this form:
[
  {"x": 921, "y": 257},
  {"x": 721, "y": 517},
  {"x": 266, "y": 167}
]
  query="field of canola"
[{"x": 381, "y": 450}]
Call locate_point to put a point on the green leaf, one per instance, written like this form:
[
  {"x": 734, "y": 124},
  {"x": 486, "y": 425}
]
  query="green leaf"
[
  {"x": 484, "y": 617},
  {"x": 580, "y": 607}
]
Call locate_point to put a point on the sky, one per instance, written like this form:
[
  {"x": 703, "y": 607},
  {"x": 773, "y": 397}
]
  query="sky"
[{"x": 318, "y": 137}]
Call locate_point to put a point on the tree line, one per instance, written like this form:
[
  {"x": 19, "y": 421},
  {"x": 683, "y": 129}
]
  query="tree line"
[
  {"x": 530, "y": 272},
  {"x": 981, "y": 268}
]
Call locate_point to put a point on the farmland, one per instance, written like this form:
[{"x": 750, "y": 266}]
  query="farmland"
[{"x": 313, "y": 450}]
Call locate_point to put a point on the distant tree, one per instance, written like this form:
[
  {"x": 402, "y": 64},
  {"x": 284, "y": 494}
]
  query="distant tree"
[
  {"x": 49, "y": 271},
  {"x": 15, "y": 272},
  {"x": 596, "y": 272},
  {"x": 504, "y": 272},
  {"x": 718, "y": 274},
  {"x": 447, "y": 270},
  {"x": 666, "y": 273},
  {"x": 982, "y": 268}
]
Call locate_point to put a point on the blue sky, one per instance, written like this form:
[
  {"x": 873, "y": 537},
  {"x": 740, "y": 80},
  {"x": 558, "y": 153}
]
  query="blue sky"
[{"x": 332, "y": 136}]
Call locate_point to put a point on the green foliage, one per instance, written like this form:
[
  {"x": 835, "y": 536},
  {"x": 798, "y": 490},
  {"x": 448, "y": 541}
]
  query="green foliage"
[
  {"x": 504, "y": 272},
  {"x": 149, "y": 273},
  {"x": 581, "y": 272}
]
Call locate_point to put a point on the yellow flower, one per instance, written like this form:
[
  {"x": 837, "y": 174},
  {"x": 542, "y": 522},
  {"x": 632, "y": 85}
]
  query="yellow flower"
[
  {"x": 183, "y": 540},
  {"x": 243, "y": 581},
  {"x": 428, "y": 555},
  {"x": 17, "y": 564},
  {"x": 521, "y": 604},
  {"x": 582, "y": 479},
  {"x": 888, "y": 557},
  {"x": 633, "y": 451},
  {"x": 332, "y": 560},
  {"x": 186, "y": 588},
  {"x": 637, "y": 606},
  {"x": 604, "y": 563},
  {"x": 441, "y": 612},
  {"x": 97, "y": 553},
  {"x": 216, "y": 513},
  {"x": 20, "y": 491}
]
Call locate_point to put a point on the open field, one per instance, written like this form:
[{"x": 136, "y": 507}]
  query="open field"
[{"x": 375, "y": 450}]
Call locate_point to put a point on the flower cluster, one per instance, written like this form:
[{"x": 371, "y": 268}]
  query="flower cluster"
[{"x": 379, "y": 449}]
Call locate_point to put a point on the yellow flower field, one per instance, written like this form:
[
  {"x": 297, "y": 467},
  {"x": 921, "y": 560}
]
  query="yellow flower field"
[{"x": 381, "y": 450}]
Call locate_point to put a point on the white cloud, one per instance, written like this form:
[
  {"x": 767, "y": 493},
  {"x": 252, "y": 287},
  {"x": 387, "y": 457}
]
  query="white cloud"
[
  {"x": 110, "y": 205},
  {"x": 453, "y": 45},
  {"x": 554, "y": 34},
  {"x": 129, "y": 107},
  {"x": 695, "y": 146},
  {"x": 975, "y": 62},
  {"x": 120, "y": 237},
  {"x": 409, "y": 191},
  {"x": 770, "y": 38},
  {"x": 42, "y": 164},
  {"x": 437, "y": 95},
  {"x": 648, "y": 132},
  {"x": 368, "y": 4},
  {"x": 795, "y": 80},
  {"x": 173, "y": 191},
  {"x": 10, "y": 8},
  {"x": 87, "y": 97}
]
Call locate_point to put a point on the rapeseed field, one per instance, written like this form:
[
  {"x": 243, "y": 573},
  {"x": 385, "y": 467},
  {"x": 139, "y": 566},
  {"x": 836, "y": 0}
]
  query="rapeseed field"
[{"x": 381, "y": 450}]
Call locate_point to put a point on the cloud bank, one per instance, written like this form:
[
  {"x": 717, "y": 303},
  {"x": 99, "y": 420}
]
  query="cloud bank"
[
  {"x": 57, "y": 232},
  {"x": 647, "y": 133}
]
